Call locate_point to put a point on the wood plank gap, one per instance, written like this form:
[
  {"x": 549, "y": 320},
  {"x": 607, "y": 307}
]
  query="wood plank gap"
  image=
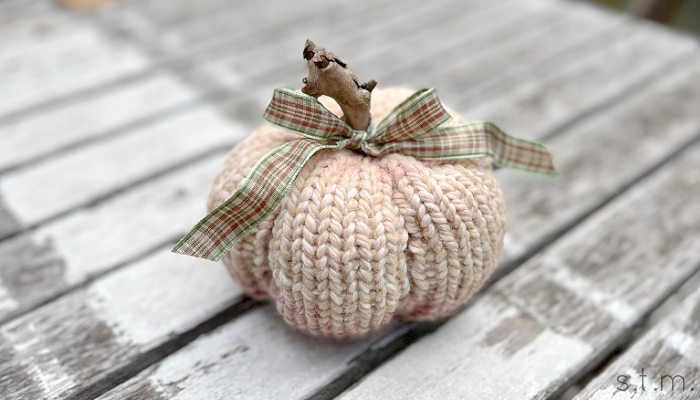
[
  {"x": 369, "y": 360},
  {"x": 145, "y": 360},
  {"x": 112, "y": 193}
]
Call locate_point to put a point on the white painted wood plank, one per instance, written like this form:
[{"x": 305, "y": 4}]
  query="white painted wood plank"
[
  {"x": 52, "y": 259},
  {"x": 52, "y": 55},
  {"x": 26, "y": 139},
  {"x": 262, "y": 358},
  {"x": 489, "y": 24},
  {"x": 564, "y": 62},
  {"x": 381, "y": 32},
  {"x": 74, "y": 341},
  {"x": 663, "y": 363},
  {"x": 550, "y": 319},
  {"x": 75, "y": 178},
  {"x": 624, "y": 155}
]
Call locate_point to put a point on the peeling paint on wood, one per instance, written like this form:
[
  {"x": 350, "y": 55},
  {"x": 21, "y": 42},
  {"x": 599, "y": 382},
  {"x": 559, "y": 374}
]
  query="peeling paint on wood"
[
  {"x": 14, "y": 377},
  {"x": 83, "y": 336},
  {"x": 205, "y": 369},
  {"x": 513, "y": 333},
  {"x": 29, "y": 271}
]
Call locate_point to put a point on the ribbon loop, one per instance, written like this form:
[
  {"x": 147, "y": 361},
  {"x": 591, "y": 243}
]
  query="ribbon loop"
[
  {"x": 416, "y": 116},
  {"x": 304, "y": 115},
  {"x": 414, "y": 128}
]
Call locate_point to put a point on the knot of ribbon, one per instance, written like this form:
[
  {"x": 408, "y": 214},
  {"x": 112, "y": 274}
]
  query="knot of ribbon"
[
  {"x": 416, "y": 127},
  {"x": 356, "y": 141}
]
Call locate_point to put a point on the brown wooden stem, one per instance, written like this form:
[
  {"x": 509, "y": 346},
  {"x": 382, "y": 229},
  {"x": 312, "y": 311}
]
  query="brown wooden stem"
[{"x": 328, "y": 75}]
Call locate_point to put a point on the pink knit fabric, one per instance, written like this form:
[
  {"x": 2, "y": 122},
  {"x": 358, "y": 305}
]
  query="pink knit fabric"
[{"x": 359, "y": 239}]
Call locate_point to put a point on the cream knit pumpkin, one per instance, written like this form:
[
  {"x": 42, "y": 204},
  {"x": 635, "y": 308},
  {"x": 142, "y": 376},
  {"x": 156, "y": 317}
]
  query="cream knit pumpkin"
[{"x": 359, "y": 239}]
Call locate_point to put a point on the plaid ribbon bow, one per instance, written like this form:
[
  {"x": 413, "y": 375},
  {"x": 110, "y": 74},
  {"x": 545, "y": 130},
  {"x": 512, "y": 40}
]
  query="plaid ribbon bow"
[{"x": 414, "y": 128}]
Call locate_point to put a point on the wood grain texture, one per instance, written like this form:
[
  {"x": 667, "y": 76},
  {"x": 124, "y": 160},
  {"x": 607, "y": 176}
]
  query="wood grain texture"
[
  {"x": 440, "y": 40},
  {"x": 79, "y": 177},
  {"x": 43, "y": 263},
  {"x": 616, "y": 150},
  {"x": 667, "y": 356},
  {"x": 553, "y": 318},
  {"x": 101, "y": 114},
  {"x": 81, "y": 337}
]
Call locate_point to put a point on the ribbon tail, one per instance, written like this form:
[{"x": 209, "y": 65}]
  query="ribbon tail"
[
  {"x": 477, "y": 139},
  {"x": 485, "y": 138},
  {"x": 259, "y": 194}
]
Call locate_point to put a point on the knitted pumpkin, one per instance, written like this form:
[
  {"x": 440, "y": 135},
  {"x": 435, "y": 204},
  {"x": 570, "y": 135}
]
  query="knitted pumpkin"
[
  {"x": 360, "y": 239},
  {"x": 345, "y": 224}
]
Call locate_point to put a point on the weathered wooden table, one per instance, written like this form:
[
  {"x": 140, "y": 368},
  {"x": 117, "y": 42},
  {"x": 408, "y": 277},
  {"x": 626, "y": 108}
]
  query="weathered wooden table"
[{"x": 114, "y": 122}]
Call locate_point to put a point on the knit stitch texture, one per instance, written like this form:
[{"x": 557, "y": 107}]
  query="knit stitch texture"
[{"x": 360, "y": 239}]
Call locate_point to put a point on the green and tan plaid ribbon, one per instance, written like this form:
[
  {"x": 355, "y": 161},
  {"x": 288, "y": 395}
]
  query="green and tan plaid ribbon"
[{"x": 414, "y": 128}]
